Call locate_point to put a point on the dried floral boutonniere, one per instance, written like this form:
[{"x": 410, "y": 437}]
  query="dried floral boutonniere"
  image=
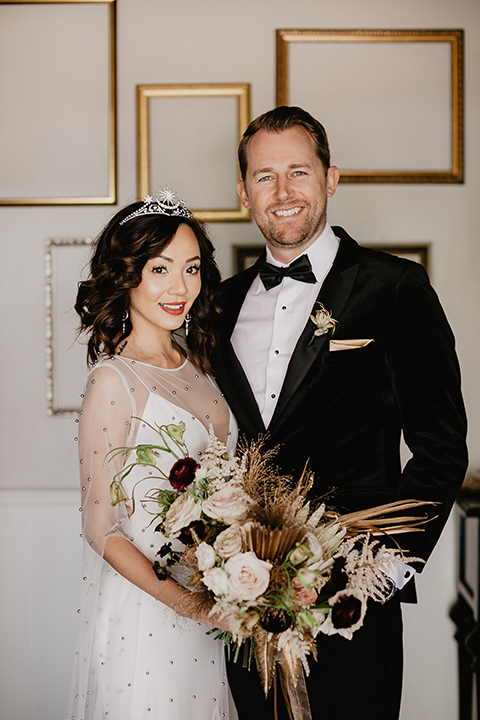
[{"x": 323, "y": 321}]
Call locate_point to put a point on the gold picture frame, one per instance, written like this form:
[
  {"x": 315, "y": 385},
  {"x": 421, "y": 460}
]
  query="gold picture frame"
[
  {"x": 145, "y": 93},
  {"x": 410, "y": 251},
  {"x": 109, "y": 127},
  {"x": 66, "y": 262},
  {"x": 448, "y": 86}
]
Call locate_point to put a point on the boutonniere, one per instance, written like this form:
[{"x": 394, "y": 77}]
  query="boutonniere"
[{"x": 323, "y": 321}]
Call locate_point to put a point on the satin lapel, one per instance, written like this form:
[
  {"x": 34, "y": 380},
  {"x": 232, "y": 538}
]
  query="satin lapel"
[
  {"x": 232, "y": 379},
  {"x": 233, "y": 293},
  {"x": 333, "y": 295}
]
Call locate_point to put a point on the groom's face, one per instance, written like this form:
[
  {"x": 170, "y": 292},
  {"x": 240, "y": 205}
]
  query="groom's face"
[{"x": 286, "y": 186}]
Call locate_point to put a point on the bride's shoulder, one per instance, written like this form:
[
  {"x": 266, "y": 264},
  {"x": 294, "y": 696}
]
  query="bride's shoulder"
[
  {"x": 108, "y": 374},
  {"x": 108, "y": 390}
]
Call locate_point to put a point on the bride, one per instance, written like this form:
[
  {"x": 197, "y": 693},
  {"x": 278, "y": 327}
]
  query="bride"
[{"x": 143, "y": 650}]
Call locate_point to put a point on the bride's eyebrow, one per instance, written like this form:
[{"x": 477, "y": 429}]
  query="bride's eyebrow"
[{"x": 170, "y": 260}]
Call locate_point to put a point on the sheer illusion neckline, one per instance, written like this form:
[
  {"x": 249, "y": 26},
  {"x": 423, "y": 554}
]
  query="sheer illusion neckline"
[{"x": 156, "y": 367}]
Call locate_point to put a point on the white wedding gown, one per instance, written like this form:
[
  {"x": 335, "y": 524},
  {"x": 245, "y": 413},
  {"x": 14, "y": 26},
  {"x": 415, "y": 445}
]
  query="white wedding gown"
[{"x": 136, "y": 658}]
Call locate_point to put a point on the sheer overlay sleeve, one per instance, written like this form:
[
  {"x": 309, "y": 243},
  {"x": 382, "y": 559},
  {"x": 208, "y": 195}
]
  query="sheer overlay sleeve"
[{"x": 105, "y": 424}]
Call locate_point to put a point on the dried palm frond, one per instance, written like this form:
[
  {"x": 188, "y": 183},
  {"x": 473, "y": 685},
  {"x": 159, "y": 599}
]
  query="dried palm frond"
[
  {"x": 271, "y": 649},
  {"x": 280, "y": 502},
  {"x": 270, "y": 544},
  {"x": 265, "y": 657},
  {"x": 290, "y": 663},
  {"x": 383, "y": 519}
]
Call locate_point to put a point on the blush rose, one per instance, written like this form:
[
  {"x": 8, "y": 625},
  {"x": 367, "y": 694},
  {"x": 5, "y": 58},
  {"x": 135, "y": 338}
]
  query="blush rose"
[
  {"x": 248, "y": 576},
  {"x": 180, "y": 514},
  {"x": 228, "y": 542},
  {"x": 230, "y": 505}
]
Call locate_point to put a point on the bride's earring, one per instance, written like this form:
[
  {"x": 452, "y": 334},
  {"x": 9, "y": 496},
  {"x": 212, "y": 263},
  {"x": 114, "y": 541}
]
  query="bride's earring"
[
  {"x": 188, "y": 318},
  {"x": 125, "y": 317}
]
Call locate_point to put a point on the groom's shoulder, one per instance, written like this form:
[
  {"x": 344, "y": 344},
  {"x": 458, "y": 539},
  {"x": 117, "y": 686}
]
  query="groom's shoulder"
[
  {"x": 380, "y": 260},
  {"x": 239, "y": 280}
]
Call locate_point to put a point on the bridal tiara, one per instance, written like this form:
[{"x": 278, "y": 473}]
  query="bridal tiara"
[{"x": 165, "y": 202}]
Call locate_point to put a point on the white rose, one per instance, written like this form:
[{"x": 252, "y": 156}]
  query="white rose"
[
  {"x": 229, "y": 542},
  {"x": 216, "y": 580},
  {"x": 205, "y": 556},
  {"x": 200, "y": 474},
  {"x": 248, "y": 575},
  {"x": 180, "y": 514},
  {"x": 230, "y": 505}
]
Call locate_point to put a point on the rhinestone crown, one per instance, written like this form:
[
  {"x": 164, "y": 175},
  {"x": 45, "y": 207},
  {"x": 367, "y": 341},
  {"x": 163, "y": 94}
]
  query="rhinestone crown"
[{"x": 165, "y": 202}]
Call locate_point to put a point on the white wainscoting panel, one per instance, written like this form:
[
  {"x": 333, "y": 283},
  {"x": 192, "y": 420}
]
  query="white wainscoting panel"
[{"x": 40, "y": 555}]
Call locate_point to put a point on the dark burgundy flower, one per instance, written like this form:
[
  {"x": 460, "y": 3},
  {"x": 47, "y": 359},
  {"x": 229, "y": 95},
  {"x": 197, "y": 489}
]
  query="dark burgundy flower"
[
  {"x": 275, "y": 620},
  {"x": 162, "y": 573},
  {"x": 198, "y": 527},
  {"x": 166, "y": 549},
  {"x": 347, "y": 611},
  {"x": 183, "y": 473}
]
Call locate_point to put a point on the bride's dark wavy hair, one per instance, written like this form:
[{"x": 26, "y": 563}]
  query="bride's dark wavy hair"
[{"x": 119, "y": 256}]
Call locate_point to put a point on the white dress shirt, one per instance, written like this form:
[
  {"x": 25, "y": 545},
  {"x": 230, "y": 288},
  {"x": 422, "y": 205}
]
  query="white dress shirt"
[
  {"x": 270, "y": 323},
  {"x": 267, "y": 330}
]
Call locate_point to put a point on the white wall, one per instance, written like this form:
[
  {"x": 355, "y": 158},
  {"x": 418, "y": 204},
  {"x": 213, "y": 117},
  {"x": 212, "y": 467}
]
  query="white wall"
[{"x": 205, "y": 41}]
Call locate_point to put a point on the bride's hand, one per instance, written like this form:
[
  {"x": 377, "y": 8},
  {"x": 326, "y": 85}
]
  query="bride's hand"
[
  {"x": 217, "y": 622},
  {"x": 197, "y": 605}
]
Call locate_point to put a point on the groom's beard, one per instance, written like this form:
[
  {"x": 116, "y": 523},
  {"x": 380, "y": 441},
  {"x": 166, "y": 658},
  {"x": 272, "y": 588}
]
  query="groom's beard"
[{"x": 294, "y": 232}]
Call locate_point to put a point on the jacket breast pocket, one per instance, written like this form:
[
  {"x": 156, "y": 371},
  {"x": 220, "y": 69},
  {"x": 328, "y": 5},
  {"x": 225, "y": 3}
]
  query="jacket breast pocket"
[
  {"x": 355, "y": 385},
  {"x": 366, "y": 354}
]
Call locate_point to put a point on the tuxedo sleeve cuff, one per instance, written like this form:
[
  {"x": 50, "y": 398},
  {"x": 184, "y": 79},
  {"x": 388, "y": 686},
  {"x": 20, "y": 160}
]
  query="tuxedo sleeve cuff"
[{"x": 400, "y": 575}]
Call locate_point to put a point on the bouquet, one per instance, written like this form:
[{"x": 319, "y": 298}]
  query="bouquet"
[{"x": 278, "y": 568}]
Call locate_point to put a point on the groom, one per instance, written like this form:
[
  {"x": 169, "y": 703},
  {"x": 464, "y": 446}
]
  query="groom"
[{"x": 337, "y": 394}]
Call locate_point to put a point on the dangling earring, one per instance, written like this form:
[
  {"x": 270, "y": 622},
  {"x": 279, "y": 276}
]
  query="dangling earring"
[
  {"x": 125, "y": 317},
  {"x": 188, "y": 318}
]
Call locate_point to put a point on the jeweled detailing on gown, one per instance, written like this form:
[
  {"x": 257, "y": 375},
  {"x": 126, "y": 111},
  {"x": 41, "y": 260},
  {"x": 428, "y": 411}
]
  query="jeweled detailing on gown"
[{"x": 136, "y": 658}]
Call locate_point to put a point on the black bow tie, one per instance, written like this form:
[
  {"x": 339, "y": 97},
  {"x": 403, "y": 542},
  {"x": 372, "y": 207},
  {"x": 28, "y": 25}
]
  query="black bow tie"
[{"x": 272, "y": 275}]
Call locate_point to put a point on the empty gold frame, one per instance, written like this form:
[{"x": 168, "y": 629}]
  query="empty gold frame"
[
  {"x": 417, "y": 253},
  {"x": 98, "y": 144},
  {"x": 446, "y": 89},
  {"x": 145, "y": 93},
  {"x": 66, "y": 261}
]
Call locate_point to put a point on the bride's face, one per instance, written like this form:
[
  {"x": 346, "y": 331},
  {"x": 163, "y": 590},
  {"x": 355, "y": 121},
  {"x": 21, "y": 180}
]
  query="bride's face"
[{"x": 169, "y": 286}]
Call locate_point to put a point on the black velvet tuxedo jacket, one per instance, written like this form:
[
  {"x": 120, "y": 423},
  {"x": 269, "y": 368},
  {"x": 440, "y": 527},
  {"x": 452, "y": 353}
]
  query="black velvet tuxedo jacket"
[{"x": 343, "y": 412}]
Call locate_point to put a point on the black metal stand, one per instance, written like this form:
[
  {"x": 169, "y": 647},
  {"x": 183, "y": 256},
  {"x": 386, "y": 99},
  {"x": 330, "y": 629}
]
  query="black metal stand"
[{"x": 465, "y": 612}]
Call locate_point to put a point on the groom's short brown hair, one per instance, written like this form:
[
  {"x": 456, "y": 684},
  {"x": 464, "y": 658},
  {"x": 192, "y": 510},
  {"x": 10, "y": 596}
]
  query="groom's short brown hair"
[{"x": 282, "y": 118}]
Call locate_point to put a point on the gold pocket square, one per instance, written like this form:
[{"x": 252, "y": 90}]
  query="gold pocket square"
[{"x": 348, "y": 344}]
